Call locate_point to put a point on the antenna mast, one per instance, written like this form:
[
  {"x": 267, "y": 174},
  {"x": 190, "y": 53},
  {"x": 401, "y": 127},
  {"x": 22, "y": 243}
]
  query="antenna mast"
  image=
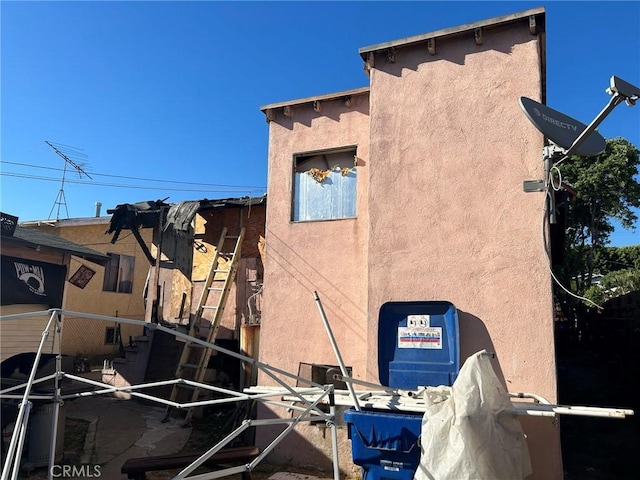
[{"x": 60, "y": 199}]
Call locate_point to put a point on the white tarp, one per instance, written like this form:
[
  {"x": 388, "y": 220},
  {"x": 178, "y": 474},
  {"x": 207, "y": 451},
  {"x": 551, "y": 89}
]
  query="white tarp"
[{"x": 473, "y": 433}]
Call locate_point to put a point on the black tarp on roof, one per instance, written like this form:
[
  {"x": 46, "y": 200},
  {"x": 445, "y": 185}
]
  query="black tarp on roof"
[
  {"x": 133, "y": 216},
  {"x": 174, "y": 219}
]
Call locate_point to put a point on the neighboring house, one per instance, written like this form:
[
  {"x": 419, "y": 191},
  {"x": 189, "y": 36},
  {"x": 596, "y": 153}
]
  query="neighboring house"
[
  {"x": 117, "y": 290},
  {"x": 35, "y": 269},
  {"x": 187, "y": 234},
  {"x": 412, "y": 189}
]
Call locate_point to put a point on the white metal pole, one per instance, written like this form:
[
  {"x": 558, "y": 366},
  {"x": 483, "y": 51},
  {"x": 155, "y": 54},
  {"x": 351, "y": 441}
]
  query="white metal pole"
[
  {"x": 56, "y": 411},
  {"x": 25, "y": 405},
  {"x": 332, "y": 339},
  {"x": 155, "y": 326},
  {"x": 22, "y": 433},
  {"x": 22, "y": 385},
  {"x": 212, "y": 451},
  {"x": 334, "y": 437}
]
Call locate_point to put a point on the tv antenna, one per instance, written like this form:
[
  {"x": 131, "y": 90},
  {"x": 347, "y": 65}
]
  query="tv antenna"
[
  {"x": 65, "y": 152},
  {"x": 569, "y": 136}
]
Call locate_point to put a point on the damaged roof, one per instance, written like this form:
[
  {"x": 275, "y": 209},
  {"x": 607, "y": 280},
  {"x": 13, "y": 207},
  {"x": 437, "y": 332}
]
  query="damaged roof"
[
  {"x": 177, "y": 215},
  {"x": 33, "y": 237}
]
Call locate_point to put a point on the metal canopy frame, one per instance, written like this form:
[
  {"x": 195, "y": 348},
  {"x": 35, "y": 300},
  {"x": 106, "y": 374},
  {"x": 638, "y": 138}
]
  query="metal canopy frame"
[
  {"x": 414, "y": 402},
  {"x": 304, "y": 402},
  {"x": 310, "y": 398}
]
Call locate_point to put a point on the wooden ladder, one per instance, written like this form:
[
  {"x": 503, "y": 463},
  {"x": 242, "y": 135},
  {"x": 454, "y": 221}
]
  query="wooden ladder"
[{"x": 195, "y": 357}]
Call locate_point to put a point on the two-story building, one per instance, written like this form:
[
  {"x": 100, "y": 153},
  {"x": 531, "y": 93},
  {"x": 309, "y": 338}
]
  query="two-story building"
[{"x": 411, "y": 188}]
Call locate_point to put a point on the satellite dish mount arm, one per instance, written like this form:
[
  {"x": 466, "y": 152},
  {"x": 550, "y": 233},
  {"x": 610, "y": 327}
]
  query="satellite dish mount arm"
[{"x": 620, "y": 91}]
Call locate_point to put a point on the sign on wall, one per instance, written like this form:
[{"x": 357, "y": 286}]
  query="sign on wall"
[
  {"x": 82, "y": 276},
  {"x": 31, "y": 282}
]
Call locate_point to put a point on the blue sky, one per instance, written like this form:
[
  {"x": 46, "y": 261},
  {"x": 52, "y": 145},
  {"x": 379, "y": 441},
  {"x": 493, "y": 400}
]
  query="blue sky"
[{"x": 162, "y": 99}]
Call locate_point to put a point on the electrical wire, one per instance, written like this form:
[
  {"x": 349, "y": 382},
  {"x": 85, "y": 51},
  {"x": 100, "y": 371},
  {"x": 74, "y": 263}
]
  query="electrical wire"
[
  {"x": 545, "y": 242},
  {"x": 555, "y": 165},
  {"x": 230, "y": 189},
  {"x": 128, "y": 177},
  {"x": 551, "y": 182}
]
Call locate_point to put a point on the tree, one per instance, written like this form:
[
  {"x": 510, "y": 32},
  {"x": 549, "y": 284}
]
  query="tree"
[
  {"x": 614, "y": 284},
  {"x": 612, "y": 259},
  {"x": 608, "y": 188}
]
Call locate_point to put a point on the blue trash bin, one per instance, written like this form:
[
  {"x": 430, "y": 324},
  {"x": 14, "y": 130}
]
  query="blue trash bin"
[
  {"x": 418, "y": 345},
  {"x": 385, "y": 445}
]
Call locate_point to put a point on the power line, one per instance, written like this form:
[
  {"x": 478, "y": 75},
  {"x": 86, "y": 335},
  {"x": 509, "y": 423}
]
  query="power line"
[
  {"x": 124, "y": 177},
  {"x": 141, "y": 187}
]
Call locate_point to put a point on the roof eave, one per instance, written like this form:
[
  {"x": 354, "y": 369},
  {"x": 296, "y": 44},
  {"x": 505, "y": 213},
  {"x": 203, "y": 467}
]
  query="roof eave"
[
  {"x": 453, "y": 31},
  {"x": 344, "y": 95},
  {"x": 92, "y": 256}
]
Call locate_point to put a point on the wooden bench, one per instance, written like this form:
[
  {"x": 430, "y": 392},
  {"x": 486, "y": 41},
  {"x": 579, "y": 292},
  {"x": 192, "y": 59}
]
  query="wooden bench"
[{"x": 136, "y": 468}]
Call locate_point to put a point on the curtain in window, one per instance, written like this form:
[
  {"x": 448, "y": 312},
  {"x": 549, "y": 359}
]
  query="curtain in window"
[{"x": 333, "y": 198}]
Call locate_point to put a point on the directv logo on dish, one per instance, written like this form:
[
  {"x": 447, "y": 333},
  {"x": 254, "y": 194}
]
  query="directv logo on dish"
[{"x": 558, "y": 123}]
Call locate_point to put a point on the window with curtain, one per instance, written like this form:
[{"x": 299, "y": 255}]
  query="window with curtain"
[
  {"x": 324, "y": 186},
  {"x": 118, "y": 273}
]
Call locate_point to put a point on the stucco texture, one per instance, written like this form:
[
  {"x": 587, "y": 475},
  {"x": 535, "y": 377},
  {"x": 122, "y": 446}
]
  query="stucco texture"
[
  {"x": 327, "y": 256},
  {"x": 443, "y": 150},
  {"x": 450, "y": 149}
]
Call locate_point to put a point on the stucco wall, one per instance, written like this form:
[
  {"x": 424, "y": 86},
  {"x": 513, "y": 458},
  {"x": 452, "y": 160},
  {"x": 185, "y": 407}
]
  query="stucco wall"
[
  {"x": 450, "y": 149},
  {"x": 441, "y": 216},
  {"x": 324, "y": 256}
]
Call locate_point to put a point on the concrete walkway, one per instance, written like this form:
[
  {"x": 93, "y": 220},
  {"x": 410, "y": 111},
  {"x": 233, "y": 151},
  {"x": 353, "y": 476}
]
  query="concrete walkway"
[{"x": 122, "y": 429}]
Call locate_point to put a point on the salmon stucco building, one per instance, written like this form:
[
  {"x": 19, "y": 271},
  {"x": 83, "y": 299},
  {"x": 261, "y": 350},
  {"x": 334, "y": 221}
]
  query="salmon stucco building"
[{"x": 411, "y": 188}]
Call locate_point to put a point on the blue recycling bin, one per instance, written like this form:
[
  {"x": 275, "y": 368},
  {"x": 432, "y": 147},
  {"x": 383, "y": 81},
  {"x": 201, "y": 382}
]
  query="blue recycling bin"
[
  {"x": 418, "y": 345},
  {"x": 385, "y": 445}
]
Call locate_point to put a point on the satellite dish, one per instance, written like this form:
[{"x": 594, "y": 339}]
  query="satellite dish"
[{"x": 561, "y": 129}]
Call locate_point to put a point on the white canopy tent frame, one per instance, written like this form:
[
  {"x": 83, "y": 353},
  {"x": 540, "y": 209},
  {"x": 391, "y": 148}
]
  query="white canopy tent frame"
[
  {"x": 304, "y": 401},
  {"x": 382, "y": 400},
  {"x": 310, "y": 411}
]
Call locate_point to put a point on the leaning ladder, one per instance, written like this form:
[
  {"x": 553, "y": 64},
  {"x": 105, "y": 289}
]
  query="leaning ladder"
[{"x": 195, "y": 358}]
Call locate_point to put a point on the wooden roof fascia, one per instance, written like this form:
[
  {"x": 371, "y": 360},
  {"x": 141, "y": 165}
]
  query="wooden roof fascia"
[
  {"x": 431, "y": 37},
  {"x": 315, "y": 101}
]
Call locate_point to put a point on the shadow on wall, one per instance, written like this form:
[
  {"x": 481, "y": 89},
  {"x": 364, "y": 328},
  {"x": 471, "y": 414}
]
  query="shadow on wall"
[
  {"x": 310, "y": 278},
  {"x": 474, "y": 337},
  {"x": 454, "y": 50},
  {"x": 332, "y": 109}
]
